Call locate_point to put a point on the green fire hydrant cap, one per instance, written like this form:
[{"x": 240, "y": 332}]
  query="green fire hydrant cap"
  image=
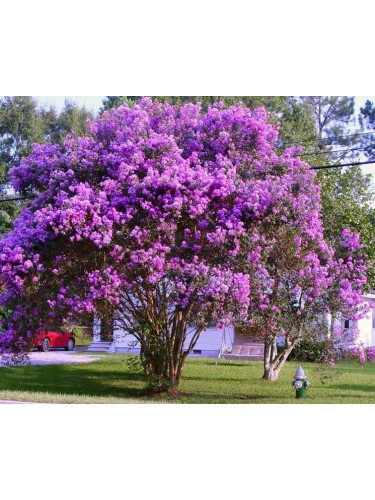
[{"x": 300, "y": 374}]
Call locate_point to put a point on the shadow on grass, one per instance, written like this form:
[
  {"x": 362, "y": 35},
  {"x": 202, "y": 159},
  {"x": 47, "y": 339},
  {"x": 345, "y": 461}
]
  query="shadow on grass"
[
  {"x": 64, "y": 379},
  {"x": 202, "y": 378},
  {"x": 237, "y": 364},
  {"x": 212, "y": 398},
  {"x": 352, "y": 387}
]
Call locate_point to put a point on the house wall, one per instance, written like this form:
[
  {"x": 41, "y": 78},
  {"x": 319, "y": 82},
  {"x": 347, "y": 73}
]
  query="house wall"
[
  {"x": 208, "y": 344},
  {"x": 366, "y": 326}
]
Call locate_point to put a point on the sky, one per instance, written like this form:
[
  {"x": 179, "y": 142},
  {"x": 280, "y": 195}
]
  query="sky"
[{"x": 93, "y": 103}]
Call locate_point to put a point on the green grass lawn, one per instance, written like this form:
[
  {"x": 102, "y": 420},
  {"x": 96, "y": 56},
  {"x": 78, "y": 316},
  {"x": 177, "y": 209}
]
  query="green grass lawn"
[{"x": 110, "y": 380}]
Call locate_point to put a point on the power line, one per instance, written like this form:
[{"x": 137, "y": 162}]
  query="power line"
[
  {"x": 4, "y": 200},
  {"x": 352, "y": 164},
  {"x": 334, "y": 151},
  {"x": 319, "y": 141}
]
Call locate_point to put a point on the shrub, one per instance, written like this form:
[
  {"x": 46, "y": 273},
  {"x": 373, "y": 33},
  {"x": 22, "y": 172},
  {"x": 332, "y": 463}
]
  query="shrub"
[
  {"x": 310, "y": 350},
  {"x": 83, "y": 335}
]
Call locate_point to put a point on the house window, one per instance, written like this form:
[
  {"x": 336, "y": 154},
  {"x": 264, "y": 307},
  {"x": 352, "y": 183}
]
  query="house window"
[{"x": 373, "y": 319}]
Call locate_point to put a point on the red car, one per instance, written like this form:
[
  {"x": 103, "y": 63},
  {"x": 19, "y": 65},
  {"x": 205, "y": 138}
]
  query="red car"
[{"x": 46, "y": 340}]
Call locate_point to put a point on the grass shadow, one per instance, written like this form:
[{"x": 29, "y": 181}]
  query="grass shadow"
[
  {"x": 352, "y": 387},
  {"x": 74, "y": 379}
]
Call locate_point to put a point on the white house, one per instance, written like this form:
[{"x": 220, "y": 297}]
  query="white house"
[
  {"x": 209, "y": 343},
  {"x": 213, "y": 340},
  {"x": 366, "y": 326}
]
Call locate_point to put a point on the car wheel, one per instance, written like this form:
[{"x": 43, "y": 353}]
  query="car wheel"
[
  {"x": 45, "y": 347},
  {"x": 70, "y": 345}
]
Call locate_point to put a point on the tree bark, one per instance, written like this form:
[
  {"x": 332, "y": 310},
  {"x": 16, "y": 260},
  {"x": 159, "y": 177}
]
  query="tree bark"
[
  {"x": 164, "y": 355},
  {"x": 274, "y": 360},
  {"x": 270, "y": 374},
  {"x": 162, "y": 339}
]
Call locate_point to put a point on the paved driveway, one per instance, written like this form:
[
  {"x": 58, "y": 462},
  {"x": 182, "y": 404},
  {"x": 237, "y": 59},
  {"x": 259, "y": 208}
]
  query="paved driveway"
[{"x": 60, "y": 358}]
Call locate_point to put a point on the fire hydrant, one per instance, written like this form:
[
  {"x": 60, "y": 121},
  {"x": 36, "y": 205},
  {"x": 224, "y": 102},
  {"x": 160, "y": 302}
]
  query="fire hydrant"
[{"x": 300, "y": 383}]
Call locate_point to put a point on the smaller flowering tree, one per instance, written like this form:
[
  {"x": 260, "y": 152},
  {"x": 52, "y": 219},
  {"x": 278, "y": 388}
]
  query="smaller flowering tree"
[
  {"x": 358, "y": 353},
  {"x": 310, "y": 290}
]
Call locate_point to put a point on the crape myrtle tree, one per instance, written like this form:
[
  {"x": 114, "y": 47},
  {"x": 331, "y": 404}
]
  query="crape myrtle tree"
[
  {"x": 308, "y": 289},
  {"x": 165, "y": 218}
]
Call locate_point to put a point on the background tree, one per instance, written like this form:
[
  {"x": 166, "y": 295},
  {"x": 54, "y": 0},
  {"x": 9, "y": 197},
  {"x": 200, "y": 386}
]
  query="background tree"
[
  {"x": 22, "y": 123},
  {"x": 114, "y": 101},
  {"x": 20, "y": 126},
  {"x": 71, "y": 119},
  {"x": 367, "y": 122}
]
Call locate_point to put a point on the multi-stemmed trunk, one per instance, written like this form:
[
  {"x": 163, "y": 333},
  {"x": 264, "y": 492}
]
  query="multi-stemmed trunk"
[
  {"x": 162, "y": 333},
  {"x": 274, "y": 359},
  {"x": 163, "y": 353}
]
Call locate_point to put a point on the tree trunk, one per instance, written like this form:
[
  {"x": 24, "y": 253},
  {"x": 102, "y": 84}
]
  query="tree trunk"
[
  {"x": 274, "y": 360},
  {"x": 270, "y": 373},
  {"x": 163, "y": 355}
]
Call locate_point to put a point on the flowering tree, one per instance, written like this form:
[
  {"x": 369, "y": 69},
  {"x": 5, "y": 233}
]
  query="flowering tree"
[
  {"x": 307, "y": 291},
  {"x": 165, "y": 218}
]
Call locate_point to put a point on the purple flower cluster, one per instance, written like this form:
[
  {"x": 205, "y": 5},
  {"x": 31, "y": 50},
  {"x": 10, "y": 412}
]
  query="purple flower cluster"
[
  {"x": 359, "y": 354},
  {"x": 370, "y": 354}
]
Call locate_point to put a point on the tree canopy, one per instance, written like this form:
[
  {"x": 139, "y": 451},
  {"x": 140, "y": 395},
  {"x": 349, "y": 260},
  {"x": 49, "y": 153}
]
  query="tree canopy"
[
  {"x": 367, "y": 121},
  {"x": 326, "y": 129}
]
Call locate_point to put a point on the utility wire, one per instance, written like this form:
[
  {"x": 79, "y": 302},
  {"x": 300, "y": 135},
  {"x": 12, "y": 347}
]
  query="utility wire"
[
  {"x": 320, "y": 141},
  {"x": 4, "y": 200},
  {"x": 334, "y": 151},
  {"x": 352, "y": 164}
]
